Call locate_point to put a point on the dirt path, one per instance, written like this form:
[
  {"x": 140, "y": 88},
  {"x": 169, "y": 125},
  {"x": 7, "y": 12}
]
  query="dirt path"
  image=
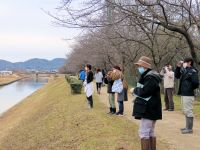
[{"x": 167, "y": 129}]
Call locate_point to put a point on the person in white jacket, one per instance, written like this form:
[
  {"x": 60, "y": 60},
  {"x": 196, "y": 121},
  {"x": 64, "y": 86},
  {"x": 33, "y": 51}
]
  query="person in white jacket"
[
  {"x": 99, "y": 80},
  {"x": 168, "y": 76}
]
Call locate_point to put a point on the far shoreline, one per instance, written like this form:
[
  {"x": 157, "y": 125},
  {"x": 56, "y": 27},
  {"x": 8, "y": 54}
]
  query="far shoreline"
[{"x": 10, "y": 82}]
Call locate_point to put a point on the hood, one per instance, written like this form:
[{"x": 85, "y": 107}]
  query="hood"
[{"x": 154, "y": 74}]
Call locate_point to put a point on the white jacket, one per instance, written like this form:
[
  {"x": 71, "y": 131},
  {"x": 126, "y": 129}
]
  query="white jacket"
[
  {"x": 168, "y": 79},
  {"x": 99, "y": 77}
]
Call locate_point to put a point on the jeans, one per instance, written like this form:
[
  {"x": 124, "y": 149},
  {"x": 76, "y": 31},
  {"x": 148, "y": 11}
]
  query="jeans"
[{"x": 121, "y": 107}]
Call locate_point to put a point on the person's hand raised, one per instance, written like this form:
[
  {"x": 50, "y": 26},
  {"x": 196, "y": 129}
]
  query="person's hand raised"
[{"x": 180, "y": 63}]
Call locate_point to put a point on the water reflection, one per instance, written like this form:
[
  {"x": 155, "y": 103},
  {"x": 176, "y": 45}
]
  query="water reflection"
[{"x": 12, "y": 94}]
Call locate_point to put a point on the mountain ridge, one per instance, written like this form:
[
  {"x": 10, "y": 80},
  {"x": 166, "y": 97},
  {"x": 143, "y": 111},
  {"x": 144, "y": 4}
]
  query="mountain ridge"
[{"x": 33, "y": 64}]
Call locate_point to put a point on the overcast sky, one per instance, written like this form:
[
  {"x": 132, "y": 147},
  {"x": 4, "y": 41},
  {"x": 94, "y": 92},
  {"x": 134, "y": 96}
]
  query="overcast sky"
[{"x": 27, "y": 32}]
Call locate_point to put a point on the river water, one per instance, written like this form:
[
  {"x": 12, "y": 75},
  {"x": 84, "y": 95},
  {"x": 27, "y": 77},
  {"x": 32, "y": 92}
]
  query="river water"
[{"x": 13, "y": 93}]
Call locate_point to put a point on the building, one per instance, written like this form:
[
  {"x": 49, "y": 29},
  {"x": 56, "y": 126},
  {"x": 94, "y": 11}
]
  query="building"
[{"x": 5, "y": 73}]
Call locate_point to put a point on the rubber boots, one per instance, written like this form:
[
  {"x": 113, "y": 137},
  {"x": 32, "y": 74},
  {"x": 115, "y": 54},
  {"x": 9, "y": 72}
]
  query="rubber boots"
[
  {"x": 186, "y": 124},
  {"x": 189, "y": 126}
]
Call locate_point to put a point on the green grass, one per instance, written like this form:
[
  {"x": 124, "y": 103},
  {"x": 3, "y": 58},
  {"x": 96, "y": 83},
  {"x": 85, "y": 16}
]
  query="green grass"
[{"x": 53, "y": 119}]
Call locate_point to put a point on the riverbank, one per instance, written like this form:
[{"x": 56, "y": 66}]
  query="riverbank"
[
  {"x": 5, "y": 80},
  {"x": 52, "y": 118}
]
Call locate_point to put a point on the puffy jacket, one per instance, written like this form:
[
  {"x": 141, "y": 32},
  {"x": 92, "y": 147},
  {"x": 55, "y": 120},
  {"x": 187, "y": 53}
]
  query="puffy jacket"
[
  {"x": 82, "y": 75},
  {"x": 150, "y": 80},
  {"x": 189, "y": 80}
]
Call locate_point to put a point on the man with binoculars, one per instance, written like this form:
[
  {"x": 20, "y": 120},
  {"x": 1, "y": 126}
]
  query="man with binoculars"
[
  {"x": 189, "y": 81},
  {"x": 168, "y": 76}
]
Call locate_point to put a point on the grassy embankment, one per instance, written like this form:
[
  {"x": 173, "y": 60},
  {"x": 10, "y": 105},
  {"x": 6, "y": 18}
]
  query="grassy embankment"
[
  {"x": 52, "y": 118},
  {"x": 4, "y": 80}
]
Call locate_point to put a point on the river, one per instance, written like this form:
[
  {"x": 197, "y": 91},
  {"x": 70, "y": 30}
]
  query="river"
[{"x": 13, "y": 93}]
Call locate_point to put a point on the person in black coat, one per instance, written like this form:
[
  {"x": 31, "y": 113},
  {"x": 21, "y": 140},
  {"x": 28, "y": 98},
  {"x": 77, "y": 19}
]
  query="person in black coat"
[
  {"x": 88, "y": 84},
  {"x": 189, "y": 81},
  {"x": 108, "y": 80},
  {"x": 147, "y": 104}
]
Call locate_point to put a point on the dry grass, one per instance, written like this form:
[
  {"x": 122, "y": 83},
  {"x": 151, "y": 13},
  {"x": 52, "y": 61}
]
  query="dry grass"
[
  {"x": 8, "y": 79},
  {"x": 53, "y": 119}
]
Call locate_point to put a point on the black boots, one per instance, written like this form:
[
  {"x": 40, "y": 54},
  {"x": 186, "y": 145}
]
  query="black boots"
[
  {"x": 90, "y": 102},
  {"x": 112, "y": 110},
  {"x": 148, "y": 144},
  {"x": 189, "y": 126},
  {"x": 186, "y": 124}
]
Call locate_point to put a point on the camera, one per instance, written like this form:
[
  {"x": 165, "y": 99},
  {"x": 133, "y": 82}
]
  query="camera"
[{"x": 164, "y": 68}]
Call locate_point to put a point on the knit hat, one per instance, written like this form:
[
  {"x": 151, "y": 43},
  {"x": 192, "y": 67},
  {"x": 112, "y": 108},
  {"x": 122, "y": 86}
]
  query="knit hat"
[{"x": 144, "y": 62}]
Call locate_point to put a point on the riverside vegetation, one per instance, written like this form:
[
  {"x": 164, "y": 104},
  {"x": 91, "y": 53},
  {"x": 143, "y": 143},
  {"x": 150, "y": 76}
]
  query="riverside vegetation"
[{"x": 4, "y": 80}]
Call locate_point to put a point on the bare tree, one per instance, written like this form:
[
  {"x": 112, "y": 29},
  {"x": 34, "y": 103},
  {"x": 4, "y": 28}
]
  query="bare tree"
[{"x": 122, "y": 30}]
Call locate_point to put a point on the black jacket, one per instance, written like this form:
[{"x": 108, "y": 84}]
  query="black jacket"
[
  {"x": 150, "y": 79},
  {"x": 189, "y": 80},
  {"x": 90, "y": 77},
  {"x": 109, "y": 82}
]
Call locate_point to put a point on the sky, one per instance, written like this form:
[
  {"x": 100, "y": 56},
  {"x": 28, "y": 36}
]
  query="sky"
[{"x": 27, "y": 32}]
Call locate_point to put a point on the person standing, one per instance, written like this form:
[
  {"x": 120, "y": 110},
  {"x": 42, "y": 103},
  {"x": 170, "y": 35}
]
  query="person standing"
[
  {"x": 99, "y": 80},
  {"x": 104, "y": 75},
  {"x": 111, "y": 95},
  {"x": 168, "y": 76},
  {"x": 88, "y": 85},
  {"x": 147, "y": 105},
  {"x": 118, "y": 88},
  {"x": 189, "y": 81},
  {"x": 82, "y": 75}
]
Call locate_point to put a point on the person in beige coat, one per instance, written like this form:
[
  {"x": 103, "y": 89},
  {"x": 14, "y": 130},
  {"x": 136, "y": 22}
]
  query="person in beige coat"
[{"x": 168, "y": 76}]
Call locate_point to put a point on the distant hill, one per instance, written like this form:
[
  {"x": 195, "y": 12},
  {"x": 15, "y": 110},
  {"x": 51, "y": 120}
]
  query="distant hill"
[{"x": 33, "y": 64}]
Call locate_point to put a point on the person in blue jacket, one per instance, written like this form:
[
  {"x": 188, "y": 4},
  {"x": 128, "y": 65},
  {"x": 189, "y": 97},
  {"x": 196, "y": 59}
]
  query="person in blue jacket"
[{"x": 82, "y": 75}]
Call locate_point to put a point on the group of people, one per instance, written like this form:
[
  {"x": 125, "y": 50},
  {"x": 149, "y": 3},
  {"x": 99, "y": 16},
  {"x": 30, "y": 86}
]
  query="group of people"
[
  {"x": 115, "y": 84},
  {"x": 147, "y": 103}
]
